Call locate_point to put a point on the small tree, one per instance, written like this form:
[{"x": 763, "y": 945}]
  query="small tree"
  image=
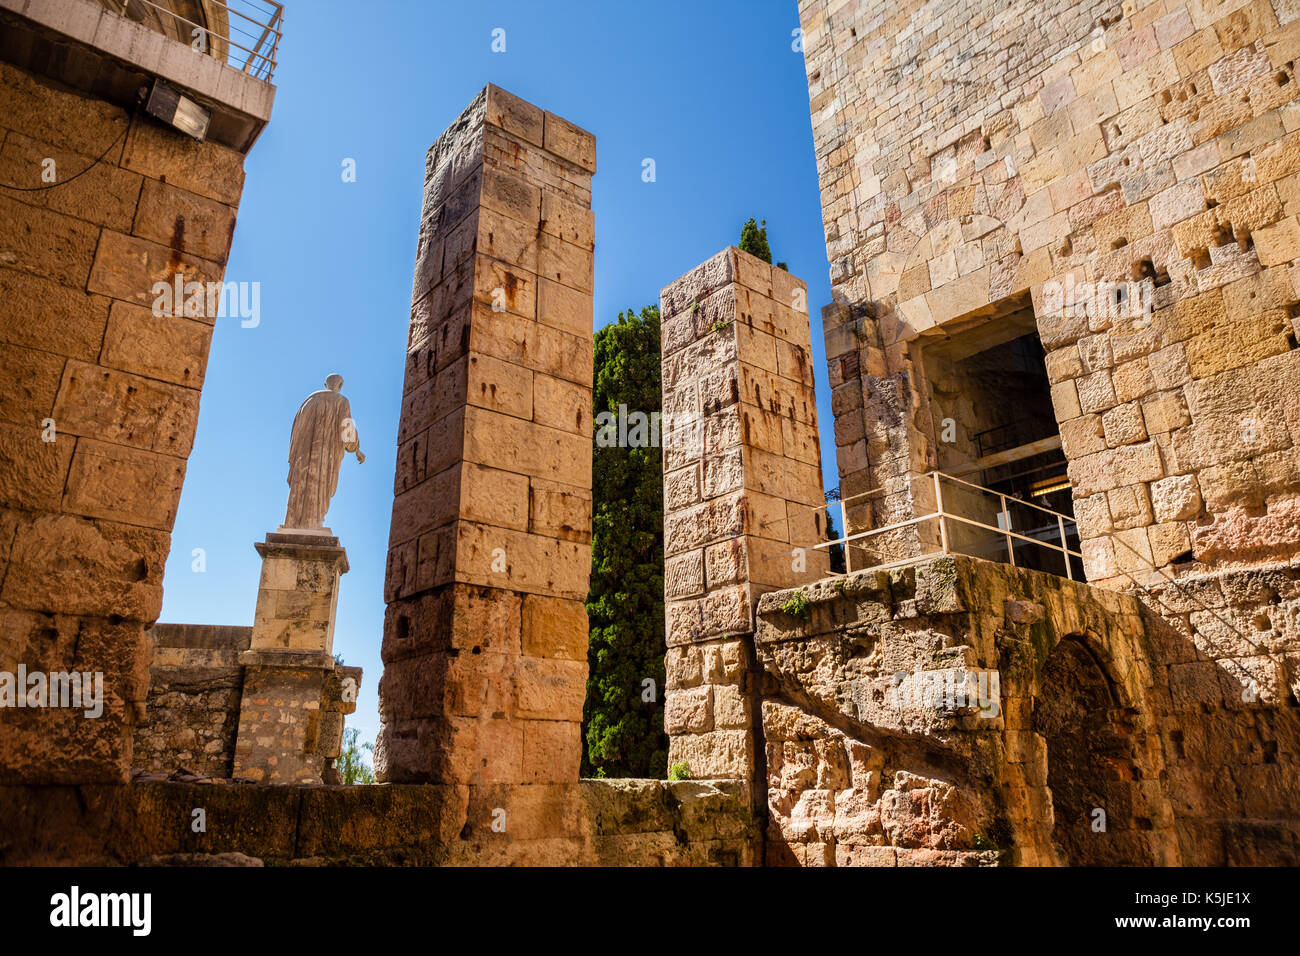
[
  {"x": 836, "y": 550},
  {"x": 351, "y": 763},
  {"x": 753, "y": 239}
]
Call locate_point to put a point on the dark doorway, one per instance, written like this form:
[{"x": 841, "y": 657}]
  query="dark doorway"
[
  {"x": 1092, "y": 771},
  {"x": 995, "y": 426}
]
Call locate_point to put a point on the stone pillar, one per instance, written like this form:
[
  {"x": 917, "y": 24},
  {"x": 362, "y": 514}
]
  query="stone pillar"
[
  {"x": 485, "y": 637},
  {"x": 743, "y": 493},
  {"x": 289, "y": 666}
]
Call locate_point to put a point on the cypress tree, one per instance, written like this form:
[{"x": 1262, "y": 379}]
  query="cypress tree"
[
  {"x": 753, "y": 239},
  {"x": 623, "y": 731}
]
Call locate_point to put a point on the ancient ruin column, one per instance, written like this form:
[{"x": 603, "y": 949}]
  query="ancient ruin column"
[
  {"x": 743, "y": 496},
  {"x": 485, "y": 638}
]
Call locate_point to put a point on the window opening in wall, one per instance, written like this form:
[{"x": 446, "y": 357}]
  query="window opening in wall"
[{"x": 994, "y": 426}]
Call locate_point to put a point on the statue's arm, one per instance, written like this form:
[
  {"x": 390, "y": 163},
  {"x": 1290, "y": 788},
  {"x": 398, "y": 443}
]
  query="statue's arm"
[{"x": 351, "y": 437}]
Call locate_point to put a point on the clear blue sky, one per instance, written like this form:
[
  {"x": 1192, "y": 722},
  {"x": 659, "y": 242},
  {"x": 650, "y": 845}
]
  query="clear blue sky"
[{"x": 712, "y": 91}]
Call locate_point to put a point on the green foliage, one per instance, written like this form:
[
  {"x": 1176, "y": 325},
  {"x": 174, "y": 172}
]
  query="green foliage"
[
  {"x": 351, "y": 763},
  {"x": 797, "y": 606},
  {"x": 624, "y": 733},
  {"x": 719, "y": 325},
  {"x": 753, "y": 239},
  {"x": 680, "y": 771},
  {"x": 984, "y": 843},
  {"x": 836, "y": 550}
]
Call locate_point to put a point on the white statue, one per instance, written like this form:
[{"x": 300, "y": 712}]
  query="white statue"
[{"x": 323, "y": 432}]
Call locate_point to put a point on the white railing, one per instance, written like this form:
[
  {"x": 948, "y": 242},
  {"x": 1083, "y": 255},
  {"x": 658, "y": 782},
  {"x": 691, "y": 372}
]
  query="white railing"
[
  {"x": 942, "y": 541},
  {"x": 245, "y": 33},
  {"x": 1018, "y": 523}
]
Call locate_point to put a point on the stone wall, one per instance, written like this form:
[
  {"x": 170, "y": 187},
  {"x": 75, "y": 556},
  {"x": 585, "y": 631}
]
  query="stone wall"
[
  {"x": 215, "y": 710},
  {"x": 743, "y": 499},
  {"x": 958, "y": 712},
  {"x": 99, "y": 415},
  {"x": 974, "y": 156},
  {"x": 485, "y": 637},
  {"x": 192, "y": 711},
  {"x": 592, "y": 823}
]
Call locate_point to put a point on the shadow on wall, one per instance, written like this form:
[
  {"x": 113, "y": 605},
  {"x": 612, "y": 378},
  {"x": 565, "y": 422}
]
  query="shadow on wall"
[{"x": 959, "y": 712}]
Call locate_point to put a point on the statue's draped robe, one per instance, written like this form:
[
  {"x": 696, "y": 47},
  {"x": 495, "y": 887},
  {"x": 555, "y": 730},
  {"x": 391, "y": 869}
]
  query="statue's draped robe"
[{"x": 317, "y": 444}]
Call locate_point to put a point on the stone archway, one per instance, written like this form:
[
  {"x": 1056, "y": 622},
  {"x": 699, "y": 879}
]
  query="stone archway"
[{"x": 1096, "y": 772}]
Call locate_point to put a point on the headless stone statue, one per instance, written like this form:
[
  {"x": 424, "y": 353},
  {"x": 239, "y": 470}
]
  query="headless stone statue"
[{"x": 322, "y": 434}]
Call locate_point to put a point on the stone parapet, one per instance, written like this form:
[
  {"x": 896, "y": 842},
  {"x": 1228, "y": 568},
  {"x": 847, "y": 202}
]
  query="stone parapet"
[
  {"x": 586, "y": 823},
  {"x": 959, "y": 712}
]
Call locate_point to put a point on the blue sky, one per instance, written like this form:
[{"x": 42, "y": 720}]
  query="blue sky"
[{"x": 711, "y": 91}]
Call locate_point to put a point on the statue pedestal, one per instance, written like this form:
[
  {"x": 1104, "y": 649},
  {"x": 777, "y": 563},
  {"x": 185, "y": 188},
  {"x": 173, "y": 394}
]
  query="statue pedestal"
[
  {"x": 294, "y": 696},
  {"x": 298, "y": 592}
]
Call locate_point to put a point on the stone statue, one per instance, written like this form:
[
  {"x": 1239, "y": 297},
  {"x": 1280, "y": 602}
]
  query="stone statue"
[{"x": 323, "y": 432}]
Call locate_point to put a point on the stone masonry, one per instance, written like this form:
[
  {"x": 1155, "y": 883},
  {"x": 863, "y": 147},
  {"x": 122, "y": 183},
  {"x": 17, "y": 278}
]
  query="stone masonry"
[
  {"x": 290, "y": 663},
  {"x": 1126, "y": 175},
  {"x": 969, "y": 154},
  {"x": 743, "y": 499},
  {"x": 1077, "y": 705},
  {"x": 192, "y": 713},
  {"x": 203, "y": 685},
  {"x": 98, "y": 414},
  {"x": 485, "y": 637}
]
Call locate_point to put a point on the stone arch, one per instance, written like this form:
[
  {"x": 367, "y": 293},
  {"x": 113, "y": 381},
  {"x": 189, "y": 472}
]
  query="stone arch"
[
  {"x": 1093, "y": 773},
  {"x": 1096, "y": 737}
]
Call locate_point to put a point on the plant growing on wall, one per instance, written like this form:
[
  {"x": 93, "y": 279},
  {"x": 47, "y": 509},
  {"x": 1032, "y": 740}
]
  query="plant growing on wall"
[
  {"x": 623, "y": 717},
  {"x": 798, "y": 606}
]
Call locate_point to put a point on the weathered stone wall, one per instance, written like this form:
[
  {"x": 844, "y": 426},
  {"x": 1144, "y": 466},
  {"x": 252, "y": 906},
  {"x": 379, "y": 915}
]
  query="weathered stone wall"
[
  {"x": 1075, "y": 700},
  {"x": 1231, "y": 735},
  {"x": 592, "y": 823},
  {"x": 743, "y": 497},
  {"x": 101, "y": 400},
  {"x": 970, "y": 154},
  {"x": 216, "y": 710},
  {"x": 192, "y": 711},
  {"x": 485, "y": 637}
]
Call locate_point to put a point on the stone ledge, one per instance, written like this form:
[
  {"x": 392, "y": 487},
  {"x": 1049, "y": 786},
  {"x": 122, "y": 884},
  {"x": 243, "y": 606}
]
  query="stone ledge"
[
  {"x": 591, "y": 822},
  {"x": 132, "y": 54}
]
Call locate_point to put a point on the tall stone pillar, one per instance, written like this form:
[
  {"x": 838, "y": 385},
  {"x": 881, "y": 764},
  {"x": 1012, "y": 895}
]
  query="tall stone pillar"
[
  {"x": 485, "y": 637},
  {"x": 285, "y": 733},
  {"x": 743, "y": 498}
]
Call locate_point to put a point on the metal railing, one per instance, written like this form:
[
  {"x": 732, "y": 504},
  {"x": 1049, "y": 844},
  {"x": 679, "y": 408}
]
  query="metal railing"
[
  {"x": 1019, "y": 523},
  {"x": 942, "y": 513},
  {"x": 227, "y": 31}
]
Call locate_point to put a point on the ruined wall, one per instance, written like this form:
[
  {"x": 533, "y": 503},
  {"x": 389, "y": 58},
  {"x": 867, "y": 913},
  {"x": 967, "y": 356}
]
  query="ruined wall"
[
  {"x": 743, "y": 495},
  {"x": 1073, "y": 700},
  {"x": 485, "y": 637},
  {"x": 192, "y": 711},
  {"x": 210, "y": 702},
  {"x": 101, "y": 400},
  {"x": 592, "y": 823},
  {"x": 972, "y": 153}
]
